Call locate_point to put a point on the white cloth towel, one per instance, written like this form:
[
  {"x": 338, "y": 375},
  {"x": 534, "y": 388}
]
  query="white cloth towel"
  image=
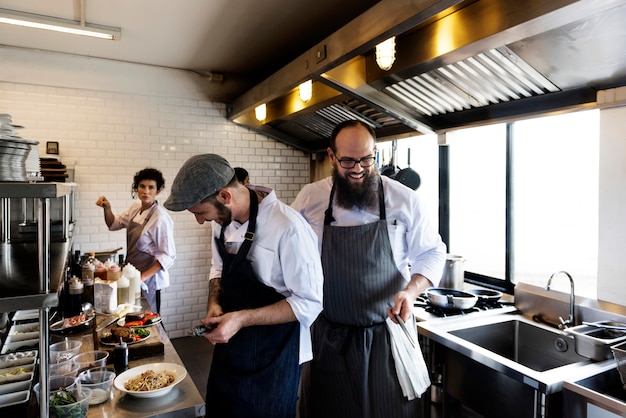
[{"x": 410, "y": 365}]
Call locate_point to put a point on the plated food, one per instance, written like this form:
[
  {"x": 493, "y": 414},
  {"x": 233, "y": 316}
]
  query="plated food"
[
  {"x": 150, "y": 380},
  {"x": 18, "y": 359},
  {"x": 125, "y": 334},
  {"x": 73, "y": 323},
  {"x": 139, "y": 319},
  {"x": 17, "y": 374}
]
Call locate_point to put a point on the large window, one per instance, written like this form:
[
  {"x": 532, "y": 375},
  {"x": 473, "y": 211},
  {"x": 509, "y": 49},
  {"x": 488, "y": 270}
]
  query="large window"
[
  {"x": 477, "y": 160},
  {"x": 523, "y": 198},
  {"x": 555, "y": 180},
  {"x": 552, "y": 203}
]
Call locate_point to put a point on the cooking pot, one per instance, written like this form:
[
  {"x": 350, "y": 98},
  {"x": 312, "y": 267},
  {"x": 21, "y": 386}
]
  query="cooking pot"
[
  {"x": 450, "y": 298},
  {"x": 486, "y": 295},
  {"x": 453, "y": 274}
]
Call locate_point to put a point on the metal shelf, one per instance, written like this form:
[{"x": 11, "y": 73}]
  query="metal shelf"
[
  {"x": 19, "y": 275},
  {"x": 34, "y": 190},
  {"x": 30, "y": 270}
]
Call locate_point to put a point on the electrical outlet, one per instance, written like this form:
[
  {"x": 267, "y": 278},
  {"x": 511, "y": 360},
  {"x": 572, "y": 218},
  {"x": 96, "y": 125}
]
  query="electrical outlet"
[{"x": 320, "y": 54}]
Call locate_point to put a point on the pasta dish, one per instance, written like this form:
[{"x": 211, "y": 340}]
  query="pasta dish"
[{"x": 150, "y": 380}]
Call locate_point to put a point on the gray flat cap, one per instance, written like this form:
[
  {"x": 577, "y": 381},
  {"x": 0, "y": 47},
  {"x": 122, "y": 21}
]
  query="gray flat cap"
[{"x": 200, "y": 177}]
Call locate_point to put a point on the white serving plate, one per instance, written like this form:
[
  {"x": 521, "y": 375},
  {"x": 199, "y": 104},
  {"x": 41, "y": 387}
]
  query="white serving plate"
[
  {"x": 19, "y": 338},
  {"x": 10, "y": 378},
  {"x": 10, "y": 347},
  {"x": 18, "y": 359},
  {"x": 177, "y": 370},
  {"x": 20, "y": 332},
  {"x": 26, "y": 315},
  {"x": 15, "y": 387},
  {"x": 14, "y": 398}
]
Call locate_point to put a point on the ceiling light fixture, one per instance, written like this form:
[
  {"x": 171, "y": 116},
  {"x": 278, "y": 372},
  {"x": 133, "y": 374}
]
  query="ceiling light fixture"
[
  {"x": 306, "y": 90},
  {"x": 260, "y": 112},
  {"x": 31, "y": 20},
  {"x": 386, "y": 53}
]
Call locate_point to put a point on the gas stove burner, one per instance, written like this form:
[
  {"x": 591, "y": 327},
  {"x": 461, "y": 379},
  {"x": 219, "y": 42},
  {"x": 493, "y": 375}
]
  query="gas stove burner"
[
  {"x": 445, "y": 312},
  {"x": 481, "y": 305},
  {"x": 487, "y": 304}
]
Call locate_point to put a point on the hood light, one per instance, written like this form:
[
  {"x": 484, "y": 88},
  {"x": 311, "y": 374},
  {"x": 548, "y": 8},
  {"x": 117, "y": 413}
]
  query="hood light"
[
  {"x": 306, "y": 90},
  {"x": 386, "y": 53},
  {"x": 260, "y": 112}
]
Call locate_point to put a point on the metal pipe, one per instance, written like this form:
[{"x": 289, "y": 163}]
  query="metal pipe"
[
  {"x": 82, "y": 13},
  {"x": 572, "y": 303}
]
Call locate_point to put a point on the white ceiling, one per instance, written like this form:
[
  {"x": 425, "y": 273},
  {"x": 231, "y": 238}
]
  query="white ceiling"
[{"x": 245, "y": 40}]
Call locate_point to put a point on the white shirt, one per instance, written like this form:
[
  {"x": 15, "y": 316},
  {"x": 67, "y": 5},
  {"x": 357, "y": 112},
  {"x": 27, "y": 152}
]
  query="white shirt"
[
  {"x": 157, "y": 237},
  {"x": 284, "y": 256},
  {"x": 416, "y": 245}
]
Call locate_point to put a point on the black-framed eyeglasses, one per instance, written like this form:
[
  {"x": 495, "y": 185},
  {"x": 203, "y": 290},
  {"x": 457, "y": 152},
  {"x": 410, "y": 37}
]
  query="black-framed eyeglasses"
[{"x": 364, "y": 162}]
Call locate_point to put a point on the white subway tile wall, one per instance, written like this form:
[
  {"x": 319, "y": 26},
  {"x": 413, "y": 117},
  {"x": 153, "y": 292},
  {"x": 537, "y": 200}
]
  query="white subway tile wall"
[{"x": 106, "y": 137}]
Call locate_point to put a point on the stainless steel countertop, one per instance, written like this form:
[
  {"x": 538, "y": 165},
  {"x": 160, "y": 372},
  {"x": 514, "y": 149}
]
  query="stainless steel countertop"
[{"x": 183, "y": 401}]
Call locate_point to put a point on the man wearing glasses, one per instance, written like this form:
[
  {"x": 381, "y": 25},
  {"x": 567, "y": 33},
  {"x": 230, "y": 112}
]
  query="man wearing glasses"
[{"x": 379, "y": 252}]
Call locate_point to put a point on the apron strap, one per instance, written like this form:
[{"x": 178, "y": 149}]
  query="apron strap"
[{"x": 250, "y": 233}]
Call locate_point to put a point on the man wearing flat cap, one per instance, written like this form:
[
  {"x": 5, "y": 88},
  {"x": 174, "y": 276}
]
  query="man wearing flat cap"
[{"x": 265, "y": 289}]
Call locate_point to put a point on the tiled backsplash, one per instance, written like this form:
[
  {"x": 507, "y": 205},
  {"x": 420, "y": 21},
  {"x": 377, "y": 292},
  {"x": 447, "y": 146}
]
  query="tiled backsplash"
[{"x": 106, "y": 137}]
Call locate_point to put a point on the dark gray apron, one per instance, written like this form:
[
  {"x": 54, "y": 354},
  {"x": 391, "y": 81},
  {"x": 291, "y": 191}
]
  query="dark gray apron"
[
  {"x": 141, "y": 260},
  {"x": 256, "y": 373},
  {"x": 352, "y": 371}
]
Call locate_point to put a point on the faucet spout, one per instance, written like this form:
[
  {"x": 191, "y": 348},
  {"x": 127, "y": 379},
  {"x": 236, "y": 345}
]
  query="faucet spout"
[{"x": 572, "y": 304}]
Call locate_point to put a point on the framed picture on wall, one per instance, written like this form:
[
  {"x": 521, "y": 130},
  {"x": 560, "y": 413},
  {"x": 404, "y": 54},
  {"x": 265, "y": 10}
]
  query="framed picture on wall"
[{"x": 52, "y": 148}]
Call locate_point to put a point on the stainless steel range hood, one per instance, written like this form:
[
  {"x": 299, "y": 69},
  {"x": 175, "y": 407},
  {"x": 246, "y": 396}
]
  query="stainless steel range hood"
[{"x": 459, "y": 63}]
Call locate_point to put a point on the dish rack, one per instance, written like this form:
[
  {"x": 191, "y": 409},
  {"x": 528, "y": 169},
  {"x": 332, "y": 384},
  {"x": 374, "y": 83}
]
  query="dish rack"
[{"x": 619, "y": 352}]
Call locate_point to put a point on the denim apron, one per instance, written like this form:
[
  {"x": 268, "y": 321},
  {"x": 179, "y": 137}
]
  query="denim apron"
[
  {"x": 141, "y": 260},
  {"x": 255, "y": 374},
  {"x": 352, "y": 372}
]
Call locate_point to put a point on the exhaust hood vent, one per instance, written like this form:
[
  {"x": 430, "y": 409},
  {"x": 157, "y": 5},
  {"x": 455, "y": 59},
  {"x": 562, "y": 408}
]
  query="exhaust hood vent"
[
  {"x": 492, "y": 77},
  {"x": 315, "y": 128},
  {"x": 462, "y": 64}
]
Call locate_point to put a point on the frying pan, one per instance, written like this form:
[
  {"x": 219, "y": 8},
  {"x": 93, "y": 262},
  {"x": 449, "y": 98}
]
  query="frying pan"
[
  {"x": 486, "y": 295},
  {"x": 450, "y": 298}
]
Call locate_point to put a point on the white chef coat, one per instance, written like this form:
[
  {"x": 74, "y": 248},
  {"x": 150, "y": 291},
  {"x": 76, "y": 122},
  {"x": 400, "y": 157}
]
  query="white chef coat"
[
  {"x": 284, "y": 256},
  {"x": 416, "y": 245},
  {"x": 157, "y": 237}
]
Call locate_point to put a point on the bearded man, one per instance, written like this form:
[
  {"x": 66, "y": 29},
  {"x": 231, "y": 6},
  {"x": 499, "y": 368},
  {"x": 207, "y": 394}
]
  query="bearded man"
[
  {"x": 264, "y": 290},
  {"x": 379, "y": 251}
]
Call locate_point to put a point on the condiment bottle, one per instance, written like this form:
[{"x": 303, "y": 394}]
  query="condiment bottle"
[
  {"x": 114, "y": 273},
  {"x": 123, "y": 291},
  {"x": 134, "y": 276},
  {"x": 100, "y": 271},
  {"x": 87, "y": 273},
  {"x": 120, "y": 357},
  {"x": 75, "y": 300}
]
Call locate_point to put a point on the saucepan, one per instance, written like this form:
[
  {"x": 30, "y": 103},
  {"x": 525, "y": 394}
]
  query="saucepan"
[{"x": 451, "y": 298}]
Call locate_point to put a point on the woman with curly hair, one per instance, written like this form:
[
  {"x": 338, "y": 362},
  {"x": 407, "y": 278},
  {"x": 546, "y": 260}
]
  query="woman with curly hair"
[{"x": 149, "y": 234}]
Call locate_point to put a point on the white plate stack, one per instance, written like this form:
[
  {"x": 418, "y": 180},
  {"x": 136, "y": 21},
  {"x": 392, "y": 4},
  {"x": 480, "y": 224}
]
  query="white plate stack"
[{"x": 14, "y": 151}]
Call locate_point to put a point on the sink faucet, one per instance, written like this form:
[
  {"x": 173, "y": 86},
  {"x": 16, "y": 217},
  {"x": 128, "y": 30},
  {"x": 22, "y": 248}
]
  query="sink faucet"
[{"x": 570, "y": 321}]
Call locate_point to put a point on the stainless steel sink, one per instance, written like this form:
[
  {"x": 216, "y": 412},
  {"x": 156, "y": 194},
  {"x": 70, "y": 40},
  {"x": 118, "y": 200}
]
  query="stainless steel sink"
[
  {"x": 537, "y": 348},
  {"x": 526, "y": 351}
]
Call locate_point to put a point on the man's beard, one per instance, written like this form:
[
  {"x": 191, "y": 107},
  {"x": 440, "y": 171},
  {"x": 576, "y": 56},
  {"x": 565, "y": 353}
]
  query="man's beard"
[
  {"x": 224, "y": 214},
  {"x": 351, "y": 195}
]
